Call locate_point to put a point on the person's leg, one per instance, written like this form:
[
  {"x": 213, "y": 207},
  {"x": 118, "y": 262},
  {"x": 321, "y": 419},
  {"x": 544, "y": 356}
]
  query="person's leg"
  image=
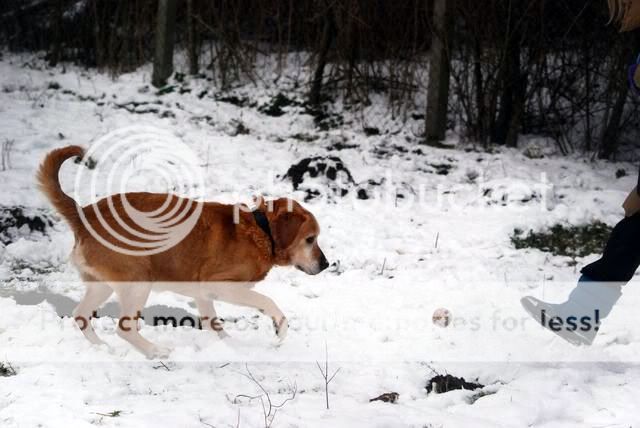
[{"x": 592, "y": 300}]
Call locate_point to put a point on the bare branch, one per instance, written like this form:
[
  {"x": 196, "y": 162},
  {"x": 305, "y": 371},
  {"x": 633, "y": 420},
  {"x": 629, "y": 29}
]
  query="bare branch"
[
  {"x": 325, "y": 374},
  {"x": 269, "y": 409}
]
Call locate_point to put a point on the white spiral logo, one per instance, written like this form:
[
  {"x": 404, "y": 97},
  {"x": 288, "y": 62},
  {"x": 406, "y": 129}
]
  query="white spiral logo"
[{"x": 133, "y": 159}]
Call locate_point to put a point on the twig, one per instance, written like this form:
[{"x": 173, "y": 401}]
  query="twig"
[
  {"x": 325, "y": 374},
  {"x": 269, "y": 410},
  {"x": 113, "y": 414},
  {"x": 204, "y": 423},
  {"x": 162, "y": 365}
]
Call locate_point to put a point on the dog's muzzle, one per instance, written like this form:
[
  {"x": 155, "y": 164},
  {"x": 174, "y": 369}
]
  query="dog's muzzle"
[{"x": 323, "y": 264}]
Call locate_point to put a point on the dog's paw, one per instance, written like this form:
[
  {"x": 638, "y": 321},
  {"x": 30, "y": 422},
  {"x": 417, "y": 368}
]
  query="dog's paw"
[
  {"x": 281, "y": 326},
  {"x": 159, "y": 352},
  {"x": 109, "y": 349},
  {"x": 223, "y": 334}
]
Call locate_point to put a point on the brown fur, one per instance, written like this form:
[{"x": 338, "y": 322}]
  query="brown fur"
[{"x": 214, "y": 255}]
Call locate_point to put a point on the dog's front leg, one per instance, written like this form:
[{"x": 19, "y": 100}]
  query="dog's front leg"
[{"x": 238, "y": 295}]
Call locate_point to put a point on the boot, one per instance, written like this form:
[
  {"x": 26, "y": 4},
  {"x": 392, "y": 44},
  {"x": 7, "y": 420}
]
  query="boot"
[{"x": 578, "y": 319}]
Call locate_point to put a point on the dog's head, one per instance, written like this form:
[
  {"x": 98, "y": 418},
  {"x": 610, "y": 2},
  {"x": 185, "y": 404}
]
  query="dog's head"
[{"x": 295, "y": 232}]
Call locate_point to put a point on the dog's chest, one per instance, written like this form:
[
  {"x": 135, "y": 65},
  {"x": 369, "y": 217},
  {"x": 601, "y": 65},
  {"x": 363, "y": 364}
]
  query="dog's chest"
[
  {"x": 260, "y": 272},
  {"x": 252, "y": 271}
]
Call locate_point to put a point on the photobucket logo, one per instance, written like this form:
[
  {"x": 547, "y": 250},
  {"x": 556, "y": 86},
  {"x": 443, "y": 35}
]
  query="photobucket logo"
[{"x": 140, "y": 158}]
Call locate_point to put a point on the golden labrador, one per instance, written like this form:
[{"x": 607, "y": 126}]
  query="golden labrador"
[{"x": 225, "y": 248}]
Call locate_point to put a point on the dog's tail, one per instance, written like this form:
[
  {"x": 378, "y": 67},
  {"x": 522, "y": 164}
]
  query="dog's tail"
[{"x": 49, "y": 184}]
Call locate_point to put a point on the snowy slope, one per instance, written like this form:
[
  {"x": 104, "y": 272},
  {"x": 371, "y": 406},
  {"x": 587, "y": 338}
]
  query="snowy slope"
[{"x": 444, "y": 243}]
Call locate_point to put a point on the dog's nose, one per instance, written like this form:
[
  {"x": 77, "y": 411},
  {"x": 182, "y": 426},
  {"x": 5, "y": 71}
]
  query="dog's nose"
[{"x": 323, "y": 262}]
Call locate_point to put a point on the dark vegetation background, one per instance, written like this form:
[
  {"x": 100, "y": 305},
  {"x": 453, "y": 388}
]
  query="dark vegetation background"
[{"x": 548, "y": 68}]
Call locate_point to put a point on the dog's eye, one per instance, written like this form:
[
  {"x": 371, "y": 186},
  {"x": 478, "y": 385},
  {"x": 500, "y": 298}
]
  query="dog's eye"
[{"x": 311, "y": 239}]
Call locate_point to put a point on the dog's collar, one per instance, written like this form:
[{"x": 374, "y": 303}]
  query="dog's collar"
[{"x": 263, "y": 223}]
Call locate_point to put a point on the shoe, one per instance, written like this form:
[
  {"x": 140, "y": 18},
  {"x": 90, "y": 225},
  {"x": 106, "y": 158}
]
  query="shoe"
[{"x": 578, "y": 319}]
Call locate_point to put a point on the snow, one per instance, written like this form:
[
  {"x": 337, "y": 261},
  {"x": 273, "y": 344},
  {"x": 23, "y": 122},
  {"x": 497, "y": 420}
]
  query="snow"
[{"x": 444, "y": 243}]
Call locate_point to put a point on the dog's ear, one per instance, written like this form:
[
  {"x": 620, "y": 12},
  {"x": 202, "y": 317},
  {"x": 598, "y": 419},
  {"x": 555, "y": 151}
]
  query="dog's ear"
[{"x": 285, "y": 228}]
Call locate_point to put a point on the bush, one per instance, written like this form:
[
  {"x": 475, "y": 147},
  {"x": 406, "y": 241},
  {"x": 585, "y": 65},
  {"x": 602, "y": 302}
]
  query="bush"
[{"x": 572, "y": 241}]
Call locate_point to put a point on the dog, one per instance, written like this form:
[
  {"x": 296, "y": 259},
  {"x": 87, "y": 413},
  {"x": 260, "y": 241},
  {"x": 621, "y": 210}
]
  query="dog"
[{"x": 220, "y": 258}]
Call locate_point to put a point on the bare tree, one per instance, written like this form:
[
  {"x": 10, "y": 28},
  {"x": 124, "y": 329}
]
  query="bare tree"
[
  {"x": 328, "y": 36},
  {"x": 192, "y": 44},
  {"x": 439, "y": 66},
  {"x": 56, "y": 39},
  {"x": 164, "y": 41},
  {"x": 619, "y": 87}
]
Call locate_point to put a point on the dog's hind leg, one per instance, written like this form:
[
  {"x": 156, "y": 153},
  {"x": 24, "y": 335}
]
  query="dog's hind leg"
[
  {"x": 132, "y": 298},
  {"x": 96, "y": 294},
  {"x": 208, "y": 317}
]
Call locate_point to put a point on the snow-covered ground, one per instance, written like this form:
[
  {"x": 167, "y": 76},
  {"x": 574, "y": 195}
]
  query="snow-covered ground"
[{"x": 423, "y": 240}]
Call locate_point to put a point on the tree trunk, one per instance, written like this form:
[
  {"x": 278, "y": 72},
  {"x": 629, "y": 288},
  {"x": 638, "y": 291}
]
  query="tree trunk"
[
  {"x": 586, "y": 53},
  {"x": 328, "y": 36},
  {"x": 515, "y": 124},
  {"x": 611, "y": 133},
  {"x": 513, "y": 85},
  {"x": 99, "y": 48},
  {"x": 481, "y": 117},
  {"x": 164, "y": 40},
  {"x": 518, "y": 94},
  {"x": 192, "y": 42},
  {"x": 56, "y": 30},
  {"x": 439, "y": 71}
]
